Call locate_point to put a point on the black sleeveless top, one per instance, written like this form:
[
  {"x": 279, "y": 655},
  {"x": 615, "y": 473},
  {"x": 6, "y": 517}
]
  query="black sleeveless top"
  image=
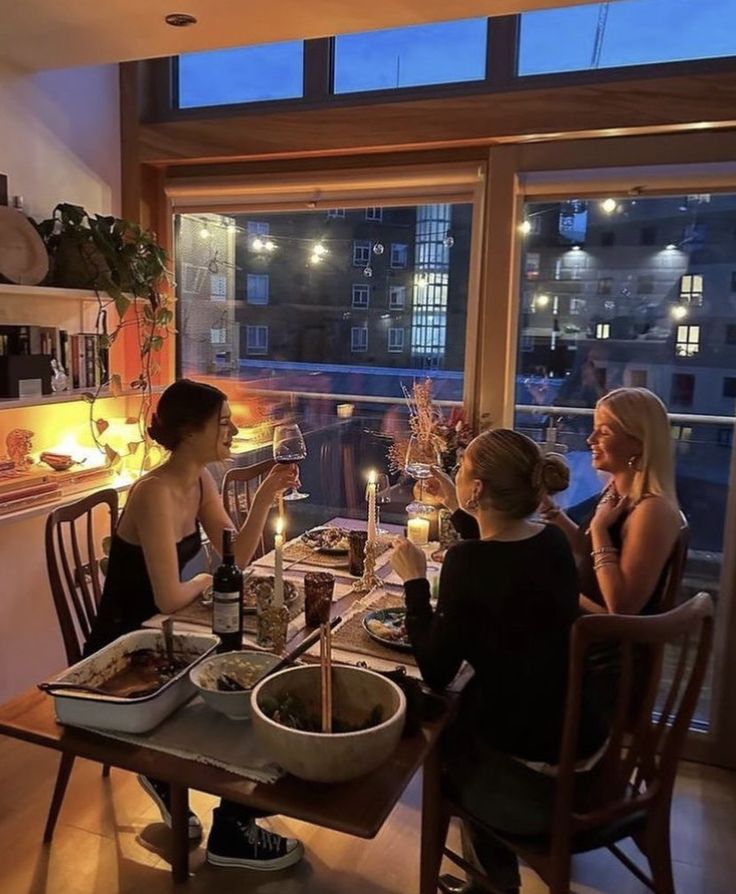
[
  {"x": 127, "y": 597},
  {"x": 589, "y": 582}
]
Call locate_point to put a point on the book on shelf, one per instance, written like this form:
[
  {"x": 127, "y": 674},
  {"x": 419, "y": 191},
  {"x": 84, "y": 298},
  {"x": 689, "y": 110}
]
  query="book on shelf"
[
  {"x": 28, "y": 502},
  {"x": 89, "y": 362}
]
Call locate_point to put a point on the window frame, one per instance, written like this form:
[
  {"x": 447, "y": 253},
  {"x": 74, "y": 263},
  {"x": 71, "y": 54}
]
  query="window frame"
[
  {"x": 363, "y": 288},
  {"x": 256, "y": 351},
  {"x": 359, "y": 349},
  {"x": 396, "y": 305},
  {"x": 360, "y": 244},
  {"x": 392, "y": 330},
  {"x": 258, "y": 301}
]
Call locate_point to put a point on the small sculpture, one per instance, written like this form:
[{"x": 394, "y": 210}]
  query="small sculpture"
[
  {"x": 59, "y": 379},
  {"x": 19, "y": 446}
]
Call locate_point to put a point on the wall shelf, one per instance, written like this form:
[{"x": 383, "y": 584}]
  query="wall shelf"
[
  {"x": 10, "y": 290},
  {"x": 66, "y": 397}
]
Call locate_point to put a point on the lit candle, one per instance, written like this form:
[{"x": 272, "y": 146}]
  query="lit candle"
[
  {"x": 278, "y": 575},
  {"x": 372, "y": 486},
  {"x": 417, "y": 531}
]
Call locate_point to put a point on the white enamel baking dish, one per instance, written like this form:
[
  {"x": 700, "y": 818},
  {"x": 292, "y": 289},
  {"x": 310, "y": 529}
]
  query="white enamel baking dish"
[{"x": 129, "y": 715}]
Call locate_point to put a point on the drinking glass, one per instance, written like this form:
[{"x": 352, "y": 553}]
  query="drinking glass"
[
  {"x": 289, "y": 447},
  {"x": 420, "y": 457},
  {"x": 318, "y": 589}
]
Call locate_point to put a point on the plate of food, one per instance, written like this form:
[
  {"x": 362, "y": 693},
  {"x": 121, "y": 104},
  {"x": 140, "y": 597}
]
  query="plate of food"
[
  {"x": 388, "y": 627},
  {"x": 327, "y": 539},
  {"x": 256, "y": 585}
]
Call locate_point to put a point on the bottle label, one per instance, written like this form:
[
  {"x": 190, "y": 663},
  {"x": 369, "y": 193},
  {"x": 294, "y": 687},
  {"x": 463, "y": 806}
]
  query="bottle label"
[{"x": 225, "y": 612}]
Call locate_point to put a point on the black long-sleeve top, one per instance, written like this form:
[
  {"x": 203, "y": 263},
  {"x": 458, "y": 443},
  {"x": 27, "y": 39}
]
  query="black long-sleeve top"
[{"x": 505, "y": 607}]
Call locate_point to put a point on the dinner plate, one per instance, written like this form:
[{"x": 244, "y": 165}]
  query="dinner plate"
[
  {"x": 23, "y": 256},
  {"x": 391, "y": 618},
  {"x": 312, "y": 538}
]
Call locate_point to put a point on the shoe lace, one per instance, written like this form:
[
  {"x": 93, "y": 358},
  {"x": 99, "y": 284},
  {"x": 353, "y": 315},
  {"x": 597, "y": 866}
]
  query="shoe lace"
[{"x": 260, "y": 838}]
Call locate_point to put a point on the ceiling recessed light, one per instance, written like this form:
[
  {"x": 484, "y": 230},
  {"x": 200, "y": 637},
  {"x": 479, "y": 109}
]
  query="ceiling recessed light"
[{"x": 180, "y": 19}]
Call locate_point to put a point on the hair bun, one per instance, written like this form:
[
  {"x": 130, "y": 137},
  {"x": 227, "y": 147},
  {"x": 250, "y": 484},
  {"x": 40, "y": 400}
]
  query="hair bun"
[{"x": 554, "y": 473}]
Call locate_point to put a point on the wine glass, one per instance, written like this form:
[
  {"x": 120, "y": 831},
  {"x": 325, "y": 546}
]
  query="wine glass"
[
  {"x": 289, "y": 447},
  {"x": 420, "y": 456},
  {"x": 383, "y": 495}
]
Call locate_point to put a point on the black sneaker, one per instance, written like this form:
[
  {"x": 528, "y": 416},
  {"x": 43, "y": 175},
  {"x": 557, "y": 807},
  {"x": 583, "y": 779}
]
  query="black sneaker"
[
  {"x": 242, "y": 842},
  {"x": 161, "y": 794}
]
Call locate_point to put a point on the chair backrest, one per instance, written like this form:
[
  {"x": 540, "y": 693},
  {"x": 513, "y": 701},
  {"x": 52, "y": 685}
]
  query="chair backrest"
[
  {"x": 640, "y": 759},
  {"x": 238, "y": 489},
  {"x": 73, "y": 553},
  {"x": 675, "y": 567}
]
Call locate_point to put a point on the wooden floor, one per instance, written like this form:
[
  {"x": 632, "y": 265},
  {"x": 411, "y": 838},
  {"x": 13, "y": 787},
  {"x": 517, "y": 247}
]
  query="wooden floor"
[{"x": 109, "y": 840}]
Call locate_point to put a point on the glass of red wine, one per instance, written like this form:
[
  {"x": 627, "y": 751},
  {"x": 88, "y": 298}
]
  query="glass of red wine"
[{"x": 289, "y": 447}]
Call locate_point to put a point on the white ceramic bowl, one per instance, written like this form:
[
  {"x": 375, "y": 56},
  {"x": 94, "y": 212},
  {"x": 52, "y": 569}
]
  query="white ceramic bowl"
[
  {"x": 331, "y": 757},
  {"x": 235, "y": 705}
]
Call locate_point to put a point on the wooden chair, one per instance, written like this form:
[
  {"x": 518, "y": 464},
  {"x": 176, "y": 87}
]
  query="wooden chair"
[
  {"x": 73, "y": 562},
  {"x": 238, "y": 489},
  {"x": 638, "y": 766}
]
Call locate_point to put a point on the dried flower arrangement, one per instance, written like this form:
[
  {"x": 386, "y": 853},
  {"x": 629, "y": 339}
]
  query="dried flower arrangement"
[{"x": 436, "y": 438}]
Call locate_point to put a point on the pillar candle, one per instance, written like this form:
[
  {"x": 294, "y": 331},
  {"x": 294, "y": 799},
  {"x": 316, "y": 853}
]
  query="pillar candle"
[
  {"x": 278, "y": 576},
  {"x": 417, "y": 531}
]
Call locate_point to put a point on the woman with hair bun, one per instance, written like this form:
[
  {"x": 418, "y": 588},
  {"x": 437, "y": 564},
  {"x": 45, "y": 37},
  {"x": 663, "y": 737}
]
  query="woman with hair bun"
[
  {"x": 157, "y": 535},
  {"x": 623, "y": 548},
  {"x": 507, "y": 601}
]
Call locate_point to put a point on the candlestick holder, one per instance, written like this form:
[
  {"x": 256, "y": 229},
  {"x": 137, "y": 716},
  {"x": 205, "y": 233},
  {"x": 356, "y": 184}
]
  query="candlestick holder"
[{"x": 370, "y": 579}]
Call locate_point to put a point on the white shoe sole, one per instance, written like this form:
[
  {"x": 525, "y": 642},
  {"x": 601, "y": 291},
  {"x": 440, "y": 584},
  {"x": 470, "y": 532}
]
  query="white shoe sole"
[
  {"x": 277, "y": 863},
  {"x": 195, "y": 827}
]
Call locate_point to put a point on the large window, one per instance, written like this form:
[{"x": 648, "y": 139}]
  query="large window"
[
  {"x": 646, "y": 328},
  {"x": 243, "y": 74},
  {"x": 627, "y": 32},
  {"x": 439, "y": 53}
]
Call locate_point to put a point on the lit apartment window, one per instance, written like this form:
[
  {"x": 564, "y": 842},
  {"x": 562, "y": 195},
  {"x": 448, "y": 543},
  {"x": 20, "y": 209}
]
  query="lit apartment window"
[
  {"x": 361, "y": 253},
  {"x": 218, "y": 287},
  {"x": 256, "y": 339},
  {"x": 602, "y": 330},
  {"x": 336, "y": 212},
  {"x": 258, "y": 228},
  {"x": 374, "y": 214},
  {"x": 359, "y": 338},
  {"x": 361, "y": 295},
  {"x": 691, "y": 288},
  {"x": 257, "y": 288},
  {"x": 395, "y": 341},
  {"x": 396, "y": 297},
  {"x": 399, "y": 254},
  {"x": 688, "y": 341}
]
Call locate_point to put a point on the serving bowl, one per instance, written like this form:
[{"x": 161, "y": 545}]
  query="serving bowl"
[
  {"x": 245, "y": 667},
  {"x": 330, "y": 757}
]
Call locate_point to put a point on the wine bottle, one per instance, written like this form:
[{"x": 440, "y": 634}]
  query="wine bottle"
[{"x": 227, "y": 597}]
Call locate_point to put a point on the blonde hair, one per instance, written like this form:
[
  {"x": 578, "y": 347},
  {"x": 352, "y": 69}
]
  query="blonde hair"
[
  {"x": 643, "y": 416},
  {"x": 514, "y": 472}
]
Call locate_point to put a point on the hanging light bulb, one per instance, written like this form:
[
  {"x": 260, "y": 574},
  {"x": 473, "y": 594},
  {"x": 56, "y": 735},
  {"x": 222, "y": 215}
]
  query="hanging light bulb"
[
  {"x": 525, "y": 227},
  {"x": 608, "y": 205},
  {"x": 448, "y": 241},
  {"x": 269, "y": 245},
  {"x": 368, "y": 271},
  {"x": 378, "y": 248},
  {"x": 257, "y": 244},
  {"x": 204, "y": 233},
  {"x": 679, "y": 311},
  {"x": 541, "y": 301},
  {"x": 319, "y": 249},
  {"x": 315, "y": 259}
]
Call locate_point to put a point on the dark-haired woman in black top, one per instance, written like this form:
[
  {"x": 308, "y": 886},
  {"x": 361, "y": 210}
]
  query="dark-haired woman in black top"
[
  {"x": 158, "y": 533},
  {"x": 507, "y": 602}
]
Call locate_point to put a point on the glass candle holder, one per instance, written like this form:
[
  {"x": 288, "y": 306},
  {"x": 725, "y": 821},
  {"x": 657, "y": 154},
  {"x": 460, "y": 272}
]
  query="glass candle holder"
[
  {"x": 356, "y": 554},
  {"x": 417, "y": 528},
  {"x": 273, "y": 623},
  {"x": 318, "y": 589}
]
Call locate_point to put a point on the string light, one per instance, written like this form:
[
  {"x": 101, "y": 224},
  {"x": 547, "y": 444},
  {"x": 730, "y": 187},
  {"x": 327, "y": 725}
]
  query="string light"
[
  {"x": 316, "y": 258},
  {"x": 448, "y": 241},
  {"x": 319, "y": 249},
  {"x": 368, "y": 271},
  {"x": 541, "y": 301},
  {"x": 679, "y": 311},
  {"x": 204, "y": 233},
  {"x": 525, "y": 228},
  {"x": 270, "y": 245},
  {"x": 608, "y": 205},
  {"x": 257, "y": 244},
  {"x": 378, "y": 248},
  {"x": 670, "y": 246}
]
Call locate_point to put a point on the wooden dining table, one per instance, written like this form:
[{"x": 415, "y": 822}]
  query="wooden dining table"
[{"x": 358, "y": 807}]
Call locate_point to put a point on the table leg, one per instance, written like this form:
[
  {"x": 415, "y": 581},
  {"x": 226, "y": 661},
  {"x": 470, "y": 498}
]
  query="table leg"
[
  {"x": 179, "y": 833},
  {"x": 435, "y": 822}
]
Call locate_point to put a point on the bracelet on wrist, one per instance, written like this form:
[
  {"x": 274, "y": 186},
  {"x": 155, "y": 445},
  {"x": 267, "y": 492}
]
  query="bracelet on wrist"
[{"x": 603, "y": 550}]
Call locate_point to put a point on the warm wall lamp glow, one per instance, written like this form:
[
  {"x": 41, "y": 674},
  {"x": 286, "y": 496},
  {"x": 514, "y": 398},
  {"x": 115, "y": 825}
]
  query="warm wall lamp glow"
[{"x": 525, "y": 228}]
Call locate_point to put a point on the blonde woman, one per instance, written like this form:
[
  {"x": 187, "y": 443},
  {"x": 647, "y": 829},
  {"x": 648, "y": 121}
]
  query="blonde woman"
[
  {"x": 623, "y": 548},
  {"x": 507, "y": 601}
]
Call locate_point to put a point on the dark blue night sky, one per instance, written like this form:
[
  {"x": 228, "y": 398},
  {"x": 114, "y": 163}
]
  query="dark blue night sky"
[{"x": 633, "y": 32}]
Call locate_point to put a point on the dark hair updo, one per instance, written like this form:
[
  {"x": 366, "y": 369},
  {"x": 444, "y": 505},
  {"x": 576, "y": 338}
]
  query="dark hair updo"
[
  {"x": 184, "y": 407},
  {"x": 515, "y": 473}
]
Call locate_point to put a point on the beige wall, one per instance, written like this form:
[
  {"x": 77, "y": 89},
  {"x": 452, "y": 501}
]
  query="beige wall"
[{"x": 60, "y": 137}]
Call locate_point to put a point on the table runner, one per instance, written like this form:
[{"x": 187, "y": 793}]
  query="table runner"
[
  {"x": 350, "y": 636},
  {"x": 197, "y": 732}
]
